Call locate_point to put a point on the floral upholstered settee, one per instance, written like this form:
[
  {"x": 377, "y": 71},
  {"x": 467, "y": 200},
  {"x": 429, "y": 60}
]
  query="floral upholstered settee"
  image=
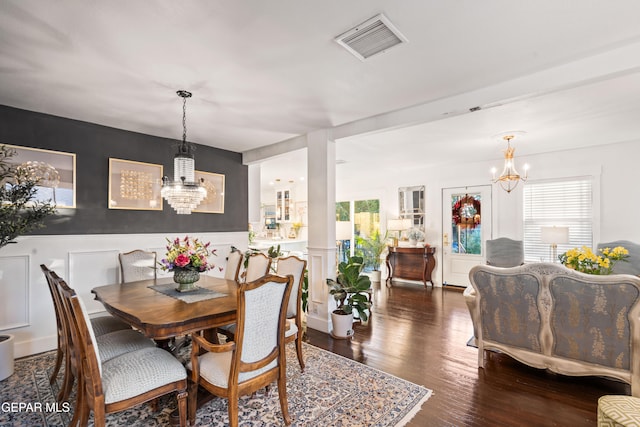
[{"x": 548, "y": 316}]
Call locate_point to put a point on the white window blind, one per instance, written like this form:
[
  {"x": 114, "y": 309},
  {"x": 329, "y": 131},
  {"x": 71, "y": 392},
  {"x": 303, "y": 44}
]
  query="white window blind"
[{"x": 567, "y": 203}]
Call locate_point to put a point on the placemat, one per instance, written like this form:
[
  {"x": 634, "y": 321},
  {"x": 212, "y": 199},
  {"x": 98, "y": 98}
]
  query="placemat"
[{"x": 200, "y": 294}]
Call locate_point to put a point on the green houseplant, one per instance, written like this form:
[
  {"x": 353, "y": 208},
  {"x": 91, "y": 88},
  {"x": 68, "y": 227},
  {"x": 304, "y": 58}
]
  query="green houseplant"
[
  {"x": 349, "y": 290},
  {"x": 20, "y": 213},
  {"x": 372, "y": 249}
]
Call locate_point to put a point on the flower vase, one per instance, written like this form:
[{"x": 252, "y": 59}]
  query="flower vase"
[{"x": 186, "y": 279}]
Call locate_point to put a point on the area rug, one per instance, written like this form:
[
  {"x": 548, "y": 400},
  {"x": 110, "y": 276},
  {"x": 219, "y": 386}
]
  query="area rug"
[{"x": 332, "y": 391}]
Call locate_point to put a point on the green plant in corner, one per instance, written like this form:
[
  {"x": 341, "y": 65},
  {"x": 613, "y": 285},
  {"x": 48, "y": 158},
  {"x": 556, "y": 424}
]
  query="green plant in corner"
[
  {"x": 350, "y": 288},
  {"x": 19, "y": 212},
  {"x": 372, "y": 248}
]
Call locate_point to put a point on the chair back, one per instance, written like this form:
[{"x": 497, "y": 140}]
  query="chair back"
[
  {"x": 234, "y": 262},
  {"x": 55, "y": 296},
  {"x": 505, "y": 252},
  {"x": 262, "y": 309},
  {"x": 137, "y": 265},
  {"x": 632, "y": 264},
  {"x": 257, "y": 266},
  {"x": 294, "y": 266}
]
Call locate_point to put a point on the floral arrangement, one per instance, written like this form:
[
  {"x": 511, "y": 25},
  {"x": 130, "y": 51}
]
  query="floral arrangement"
[
  {"x": 586, "y": 261},
  {"x": 187, "y": 254},
  {"x": 415, "y": 234}
]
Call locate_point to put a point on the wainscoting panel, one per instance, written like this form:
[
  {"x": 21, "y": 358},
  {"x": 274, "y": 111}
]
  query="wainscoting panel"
[
  {"x": 104, "y": 270},
  {"x": 14, "y": 286}
]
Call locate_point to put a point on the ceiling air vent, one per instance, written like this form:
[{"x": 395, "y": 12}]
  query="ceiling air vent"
[{"x": 376, "y": 35}]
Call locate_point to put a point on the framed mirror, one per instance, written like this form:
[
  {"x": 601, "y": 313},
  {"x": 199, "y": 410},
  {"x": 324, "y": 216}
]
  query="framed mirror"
[{"x": 411, "y": 203}]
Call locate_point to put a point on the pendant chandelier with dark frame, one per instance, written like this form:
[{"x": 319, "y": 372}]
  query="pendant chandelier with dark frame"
[
  {"x": 183, "y": 193},
  {"x": 509, "y": 178}
]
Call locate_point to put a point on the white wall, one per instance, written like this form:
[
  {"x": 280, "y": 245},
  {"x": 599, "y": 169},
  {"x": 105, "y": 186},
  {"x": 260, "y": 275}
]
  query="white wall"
[
  {"x": 616, "y": 167},
  {"x": 84, "y": 261}
]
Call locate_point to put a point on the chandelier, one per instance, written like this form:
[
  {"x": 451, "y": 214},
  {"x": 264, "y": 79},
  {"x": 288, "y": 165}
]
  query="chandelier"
[
  {"x": 509, "y": 178},
  {"x": 183, "y": 193}
]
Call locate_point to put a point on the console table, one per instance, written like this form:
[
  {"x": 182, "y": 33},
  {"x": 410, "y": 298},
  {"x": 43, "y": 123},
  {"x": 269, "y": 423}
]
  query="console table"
[{"x": 412, "y": 263}]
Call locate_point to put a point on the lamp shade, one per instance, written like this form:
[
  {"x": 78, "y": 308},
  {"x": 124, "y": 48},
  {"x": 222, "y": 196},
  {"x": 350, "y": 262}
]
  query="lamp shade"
[
  {"x": 343, "y": 230},
  {"x": 554, "y": 235},
  {"x": 398, "y": 224}
]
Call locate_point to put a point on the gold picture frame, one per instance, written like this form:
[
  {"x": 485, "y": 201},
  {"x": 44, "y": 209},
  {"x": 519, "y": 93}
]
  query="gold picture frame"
[
  {"x": 134, "y": 185},
  {"x": 55, "y": 170},
  {"x": 214, "y": 183}
]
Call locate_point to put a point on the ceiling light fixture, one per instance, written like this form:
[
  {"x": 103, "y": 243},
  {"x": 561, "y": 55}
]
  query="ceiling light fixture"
[
  {"x": 183, "y": 193},
  {"x": 509, "y": 178}
]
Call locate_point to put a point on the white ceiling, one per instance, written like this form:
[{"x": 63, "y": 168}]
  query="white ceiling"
[{"x": 565, "y": 73}]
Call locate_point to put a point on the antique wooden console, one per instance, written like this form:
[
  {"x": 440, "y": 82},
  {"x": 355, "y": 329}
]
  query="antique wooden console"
[{"x": 411, "y": 263}]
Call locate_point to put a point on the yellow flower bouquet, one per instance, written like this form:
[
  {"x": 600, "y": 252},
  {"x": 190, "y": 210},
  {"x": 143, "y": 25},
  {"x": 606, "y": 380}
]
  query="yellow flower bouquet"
[{"x": 587, "y": 261}]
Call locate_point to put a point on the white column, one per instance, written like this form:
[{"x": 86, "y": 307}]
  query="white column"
[
  {"x": 321, "y": 166},
  {"x": 254, "y": 191}
]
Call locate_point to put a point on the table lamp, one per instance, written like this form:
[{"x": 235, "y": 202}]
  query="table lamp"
[
  {"x": 343, "y": 232},
  {"x": 553, "y": 236},
  {"x": 398, "y": 225}
]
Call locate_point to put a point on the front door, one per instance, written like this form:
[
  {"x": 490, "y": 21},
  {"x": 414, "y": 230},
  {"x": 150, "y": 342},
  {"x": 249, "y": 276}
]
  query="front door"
[{"x": 466, "y": 224}]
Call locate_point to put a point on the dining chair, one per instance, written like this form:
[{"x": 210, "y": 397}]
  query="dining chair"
[
  {"x": 125, "y": 381},
  {"x": 110, "y": 345},
  {"x": 234, "y": 262},
  {"x": 137, "y": 265},
  {"x": 505, "y": 252},
  {"x": 257, "y": 266},
  {"x": 294, "y": 266},
  {"x": 256, "y": 357},
  {"x": 100, "y": 325}
]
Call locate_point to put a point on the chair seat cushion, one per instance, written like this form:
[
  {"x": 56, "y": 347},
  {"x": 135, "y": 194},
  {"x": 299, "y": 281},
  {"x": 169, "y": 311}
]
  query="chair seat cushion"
[
  {"x": 293, "y": 328},
  {"x": 138, "y": 372},
  {"x": 105, "y": 324},
  {"x": 117, "y": 343},
  {"x": 215, "y": 367}
]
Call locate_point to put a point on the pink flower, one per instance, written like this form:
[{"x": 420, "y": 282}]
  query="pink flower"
[{"x": 182, "y": 260}]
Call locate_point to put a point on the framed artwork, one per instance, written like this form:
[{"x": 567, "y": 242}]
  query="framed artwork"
[
  {"x": 55, "y": 171},
  {"x": 214, "y": 183},
  {"x": 134, "y": 185}
]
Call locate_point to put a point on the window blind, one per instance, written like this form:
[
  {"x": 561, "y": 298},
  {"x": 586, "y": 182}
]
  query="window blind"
[{"x": 567, "y": 203}]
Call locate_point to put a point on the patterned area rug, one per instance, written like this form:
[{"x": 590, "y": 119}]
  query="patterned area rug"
[{"x": 333, "y": 391}]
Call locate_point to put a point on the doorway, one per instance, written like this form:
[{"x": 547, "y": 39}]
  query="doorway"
[{"x": 466, "y": 224}]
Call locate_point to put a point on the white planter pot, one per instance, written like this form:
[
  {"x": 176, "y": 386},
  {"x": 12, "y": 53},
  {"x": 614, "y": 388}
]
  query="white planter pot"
[
  {"x": 6, "y": 356},
  {"x": 374, "y": 276},
  {"x": 342, "y": 325}
]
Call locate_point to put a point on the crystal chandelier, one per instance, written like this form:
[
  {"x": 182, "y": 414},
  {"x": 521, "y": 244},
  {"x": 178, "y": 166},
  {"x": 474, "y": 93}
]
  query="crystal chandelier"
[
  {"x": 509, "y": 178},
  {"x": 183, "y": 193}
]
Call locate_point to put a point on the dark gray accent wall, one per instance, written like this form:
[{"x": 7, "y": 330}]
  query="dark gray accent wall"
[{"x": 94, "y": 145}]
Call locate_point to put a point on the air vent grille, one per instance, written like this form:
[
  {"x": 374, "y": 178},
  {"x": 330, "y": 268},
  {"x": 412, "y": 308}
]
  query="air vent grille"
[{"x": 376, "y": 35}]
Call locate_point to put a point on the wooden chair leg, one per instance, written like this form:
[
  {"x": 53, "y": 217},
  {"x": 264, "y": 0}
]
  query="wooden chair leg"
[
  {"x": 233, "y": 411},
  {"x": 182, "y": 408},
  {"x": 282, "y": 394},
  {"x": 192, "y": 405},
  {"x": 58, "y": 365},
  {"x": 299, "y": 351},
  {"x": 67, "y": 381}
]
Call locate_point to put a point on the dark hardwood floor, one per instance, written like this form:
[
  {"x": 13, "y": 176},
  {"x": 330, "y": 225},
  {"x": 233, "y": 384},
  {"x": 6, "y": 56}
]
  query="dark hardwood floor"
[{"x": 421, "y": 335}]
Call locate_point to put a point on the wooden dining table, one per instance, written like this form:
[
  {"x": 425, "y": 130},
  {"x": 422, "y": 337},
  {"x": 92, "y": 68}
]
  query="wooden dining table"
[{"x": 161, "y": 316}]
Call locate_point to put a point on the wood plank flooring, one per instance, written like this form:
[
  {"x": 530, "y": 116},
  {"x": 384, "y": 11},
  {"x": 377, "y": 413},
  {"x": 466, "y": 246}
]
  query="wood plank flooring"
[{"x": 421, "y": 334}]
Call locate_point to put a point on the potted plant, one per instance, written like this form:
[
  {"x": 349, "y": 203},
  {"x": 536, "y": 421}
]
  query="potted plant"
[
  {"x": 415, "y": 235},
  {"x": 20, "y": 212},
  {"x": 350, "y": 293},
  {"x": 372, "y": 249}
]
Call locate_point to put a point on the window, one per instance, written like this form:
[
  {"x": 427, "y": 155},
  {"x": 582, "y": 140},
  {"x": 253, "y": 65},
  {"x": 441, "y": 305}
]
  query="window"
[{"x": 567, "y": 203}]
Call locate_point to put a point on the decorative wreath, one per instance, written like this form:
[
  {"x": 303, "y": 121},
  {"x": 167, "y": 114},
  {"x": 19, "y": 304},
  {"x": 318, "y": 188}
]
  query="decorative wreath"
[{"x": 466, "y": 212}]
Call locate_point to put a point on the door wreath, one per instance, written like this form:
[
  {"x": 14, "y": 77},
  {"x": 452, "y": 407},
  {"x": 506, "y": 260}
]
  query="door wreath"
[{"x": 466, "y": 212}]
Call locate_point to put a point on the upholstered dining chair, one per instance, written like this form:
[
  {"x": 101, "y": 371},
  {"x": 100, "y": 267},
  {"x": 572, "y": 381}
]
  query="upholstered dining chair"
[
  {"x": 257, "y": 266},
  {"x": 109, "y": 344},
  {"x": 100, "y": 325},
  {"x": 294, "y": 266},
  {"x": 505, "y": 252},
  {"x": 234, "y": 262},
  {"x": 121, "y": 382},
  {"x": 137, "y": 265},
  {"x": 256, "y": 357},
  {"x": 632, "y": 263}
]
